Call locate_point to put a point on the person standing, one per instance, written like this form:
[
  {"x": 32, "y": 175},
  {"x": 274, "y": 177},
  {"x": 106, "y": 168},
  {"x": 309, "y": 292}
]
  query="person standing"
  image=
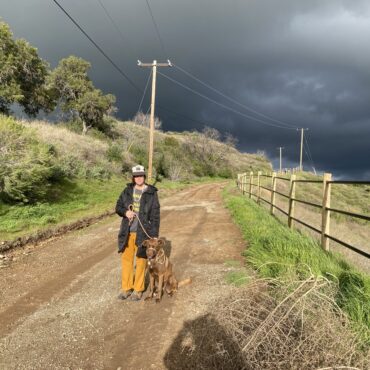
[{"x": 138, "y": 198}]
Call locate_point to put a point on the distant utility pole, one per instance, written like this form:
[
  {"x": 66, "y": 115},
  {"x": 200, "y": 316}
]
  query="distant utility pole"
[
  {"x": 301, "y": 155},
  {"x": 280, "y": 149},
  {"x": 154, "y": 66}
]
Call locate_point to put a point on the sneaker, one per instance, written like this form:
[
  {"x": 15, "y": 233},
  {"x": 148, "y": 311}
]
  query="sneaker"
[
  {"x": 136, "y": 296},
  {"x": 124, "y": 294}
]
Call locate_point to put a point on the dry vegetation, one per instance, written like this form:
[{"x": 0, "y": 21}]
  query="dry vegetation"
[
  {"x": 177, "y": 156},
  {"x": 271, "y": 324},
  {"x": 50, "y": 172}
]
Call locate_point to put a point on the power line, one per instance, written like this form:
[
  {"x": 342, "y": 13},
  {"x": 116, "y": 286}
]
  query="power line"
[
  {"x": 124, "y": 75},
  {"x": 222, "y": 105},
  {"x": 183, "y": 116},
  {"x": 231, "y": 99},
  {"x": 98, "y": 47},
  {"x": 308, "y": 147},
  {"x": 146, "y": 86},
  {"x": 309, "y": 158},
  {"x": 309, "y": 152},
  {"x": 114, "y": 64},
  {"x": 157, "y": 29},
  {"x": 114, "y": 23}
]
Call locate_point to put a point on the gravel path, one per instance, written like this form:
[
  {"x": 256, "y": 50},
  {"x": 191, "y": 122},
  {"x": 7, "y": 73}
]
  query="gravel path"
[{"x": 58, "y": 301}]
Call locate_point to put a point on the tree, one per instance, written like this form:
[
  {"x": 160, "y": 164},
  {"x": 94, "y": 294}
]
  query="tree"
[
  {"x": 211, "y": 133},
  {"x": 77, "y": 95},
  {"x": 22, "y": 76},
  {"x": 91, "y": 108},
  {"x": 230, "y": 140},
  {"x": 69, "y": 81},
  {"x": 143, "y": 119}
]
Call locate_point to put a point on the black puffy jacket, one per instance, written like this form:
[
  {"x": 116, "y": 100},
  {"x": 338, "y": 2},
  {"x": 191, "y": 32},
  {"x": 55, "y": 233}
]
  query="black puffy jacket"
[{"x": 149, "y": 215}]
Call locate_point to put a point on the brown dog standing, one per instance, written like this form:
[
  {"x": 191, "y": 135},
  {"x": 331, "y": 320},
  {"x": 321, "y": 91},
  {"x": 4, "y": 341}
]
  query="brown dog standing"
[{"x": 160, "y": 269}]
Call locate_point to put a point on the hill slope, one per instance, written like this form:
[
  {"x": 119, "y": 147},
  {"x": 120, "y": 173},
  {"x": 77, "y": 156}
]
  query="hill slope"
[{"x": 51, "y": 174}]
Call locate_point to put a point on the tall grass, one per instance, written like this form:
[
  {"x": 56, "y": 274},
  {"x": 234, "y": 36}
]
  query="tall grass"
[
  {"x": 278, "y": 252},
  {"x": 71, "y": 201}
]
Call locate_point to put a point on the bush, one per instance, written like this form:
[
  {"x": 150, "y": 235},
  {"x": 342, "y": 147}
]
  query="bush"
[
  {"x": 171, "y": 142},
  {"x": 225, "y": 172},
  {"x": 99, "y": 172},
  {"x": 26, "y": 166},
  {"x": 73, "y": 125},
  {"x": 114, "y": 153},
  {"x": 141, "y": 155}
]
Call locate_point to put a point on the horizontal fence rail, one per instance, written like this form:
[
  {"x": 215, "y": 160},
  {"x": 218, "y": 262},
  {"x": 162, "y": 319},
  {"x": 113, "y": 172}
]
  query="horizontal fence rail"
[{"x": 245, "y": 183}]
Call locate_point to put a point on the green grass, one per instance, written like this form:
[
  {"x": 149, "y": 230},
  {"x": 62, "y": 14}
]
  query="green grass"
[
  {"x": 238, "y": 277},
  {"x": 278, "y": 252},
  {"x": 71, "y": 201},
  {"x": 353, "y": 198}
]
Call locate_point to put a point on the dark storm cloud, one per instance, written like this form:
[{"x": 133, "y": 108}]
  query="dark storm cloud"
[{"x": 302, "y": 62}]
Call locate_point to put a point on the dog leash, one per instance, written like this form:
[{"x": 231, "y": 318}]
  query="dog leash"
[{"x": 131, "y": 208}]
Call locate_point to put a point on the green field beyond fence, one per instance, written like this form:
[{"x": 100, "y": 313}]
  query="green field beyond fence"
[{"x": 255, "y": 188}]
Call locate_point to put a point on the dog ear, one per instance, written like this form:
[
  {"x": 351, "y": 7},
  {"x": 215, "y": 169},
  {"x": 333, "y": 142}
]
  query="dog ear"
[
  {"x": 161, "y": 242},
  {"x": 145, "y": 243}
]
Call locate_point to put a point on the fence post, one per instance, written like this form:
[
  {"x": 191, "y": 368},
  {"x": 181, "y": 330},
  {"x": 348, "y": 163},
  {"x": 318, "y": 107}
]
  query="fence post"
[
  {"x": 250, "y": 184},
  {"x": 273, "y": 189},
  {"x": 325, "y": 225},
  {"x": 291, "y": 200},
  {"x": 259, "y": 173},
  {"x": 238, "y": 180},
  {"x": 244, "y": 182}
]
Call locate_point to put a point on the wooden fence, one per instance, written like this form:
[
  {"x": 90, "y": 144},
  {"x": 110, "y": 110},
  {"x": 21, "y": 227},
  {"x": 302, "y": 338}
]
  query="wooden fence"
[{"x": 246, "y": 183}]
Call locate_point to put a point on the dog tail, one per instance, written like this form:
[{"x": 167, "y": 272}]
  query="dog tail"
[{"x": 184, "y": 282}]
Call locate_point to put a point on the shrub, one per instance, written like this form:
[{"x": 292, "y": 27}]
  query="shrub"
[
  {"x": 99, "y": 172},
  {"x": 26, "y": 165},
  {"x": 225, "y": 172},
  {"x": 114, "y": 153},
  {"x": 171, "y": 142}
]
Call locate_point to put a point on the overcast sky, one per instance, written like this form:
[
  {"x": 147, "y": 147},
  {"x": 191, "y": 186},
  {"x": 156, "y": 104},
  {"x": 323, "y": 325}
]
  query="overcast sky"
[{"x": 305, "y": 63}]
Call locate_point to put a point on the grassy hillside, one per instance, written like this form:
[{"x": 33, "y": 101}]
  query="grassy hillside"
[
  {"x": 278, "y": 252},
  {"x": 51, "y": 174}
]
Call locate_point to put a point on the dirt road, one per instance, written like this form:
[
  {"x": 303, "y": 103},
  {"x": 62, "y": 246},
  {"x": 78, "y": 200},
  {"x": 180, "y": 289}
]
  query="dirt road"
[{"x": 59, "y": 306}]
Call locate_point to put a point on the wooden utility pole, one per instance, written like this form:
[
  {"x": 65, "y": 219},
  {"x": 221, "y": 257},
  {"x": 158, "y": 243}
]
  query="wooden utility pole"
[
  {"x": 280, "y": 149},
  {"x": 154, "y": 66},
  {"x": 301, "y": 154}
]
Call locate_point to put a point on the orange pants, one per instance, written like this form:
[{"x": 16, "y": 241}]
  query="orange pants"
[{"x": 132, "y": 279}]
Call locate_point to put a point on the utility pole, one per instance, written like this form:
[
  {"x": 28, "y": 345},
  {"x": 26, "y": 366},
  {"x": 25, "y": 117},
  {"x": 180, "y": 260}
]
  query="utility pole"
[
  {"x": 154, "y": 66},
  {"x": 301, "y": 155},
  {"x": 280, "y": 149}
]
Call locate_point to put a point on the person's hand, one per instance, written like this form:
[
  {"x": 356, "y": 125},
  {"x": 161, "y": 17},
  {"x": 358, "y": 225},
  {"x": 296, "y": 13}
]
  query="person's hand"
[{"x": 130, "y": 214}]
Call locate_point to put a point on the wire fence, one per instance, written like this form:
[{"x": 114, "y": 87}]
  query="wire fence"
[{"x": 250, "y": 185}]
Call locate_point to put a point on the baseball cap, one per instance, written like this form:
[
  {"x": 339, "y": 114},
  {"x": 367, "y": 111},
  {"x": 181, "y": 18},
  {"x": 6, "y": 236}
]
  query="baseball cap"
[{"x": 138, "y": 170}]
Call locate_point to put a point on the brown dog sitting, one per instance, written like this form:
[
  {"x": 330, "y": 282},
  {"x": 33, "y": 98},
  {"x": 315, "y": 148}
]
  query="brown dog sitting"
[{"x": 160, "y": 269}]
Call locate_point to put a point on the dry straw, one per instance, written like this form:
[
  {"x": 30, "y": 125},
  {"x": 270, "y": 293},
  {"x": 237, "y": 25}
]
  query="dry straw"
[{"x": 270, "y": 324}]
